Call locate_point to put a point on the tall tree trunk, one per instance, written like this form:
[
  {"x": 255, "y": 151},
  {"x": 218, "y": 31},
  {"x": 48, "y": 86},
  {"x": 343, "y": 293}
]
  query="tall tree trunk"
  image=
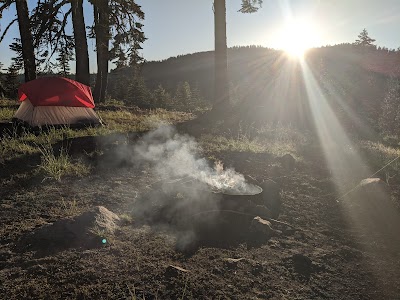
[
  {"x": 102, "y": 28},
  {"x": 221, "y": 91},
  {"x": 81, "y": 48},
  {"x": 28, "y": 52}
]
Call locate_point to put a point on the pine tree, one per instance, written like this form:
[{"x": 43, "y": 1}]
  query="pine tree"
[
  {"x": 26, "y": 39},
  {"x": 81, "y": 46},
  {"x": 187, "y": 94},
  {"x": 28, "y": 51},
  {"x": 65, "y": 55},
  {"x": 197, "y": 99},
  {"x": 183, "y": 95},
  {"x": 121, "y": 59},
  {"x": 2, "y": 91},
  {"x": 116, "y": 22},
  {"x": 221, "y": 86},
  {"x": 17, "y": 61},
  {"x": 119, "y": 85},
  {"x": 49, "y": 20},
  {"x": 138, "y": 93},
  {"x": 162, "y": 97},
  {"x": 250, "y": 6},
  {"x": 364, "y": 39},
  {"x": 11, "y": 82}
]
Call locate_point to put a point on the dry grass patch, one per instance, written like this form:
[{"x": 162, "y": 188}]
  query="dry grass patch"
[
  {"x": 11, "y": 146},
  {"x": 58, "y": 166},
  {"x": 7, "y": 109},
  {"x": 14, "y": 144},
  {"x": 212, "y": 143},
  {"x": 6, "y": 114},
  {"x": 380, "y": 155},
  {"x": 275, "y": 140},
  {"x": 8, "y": 102},
  {"x": 125, "y": 121}
]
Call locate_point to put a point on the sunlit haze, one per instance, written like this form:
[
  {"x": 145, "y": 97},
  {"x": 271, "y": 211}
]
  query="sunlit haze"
[
  {"x": 191, "y": 27},
  {"x": 297, "y": 37}
]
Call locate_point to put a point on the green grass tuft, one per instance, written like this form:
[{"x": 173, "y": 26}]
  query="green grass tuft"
[{"x": 61, "y": 165}]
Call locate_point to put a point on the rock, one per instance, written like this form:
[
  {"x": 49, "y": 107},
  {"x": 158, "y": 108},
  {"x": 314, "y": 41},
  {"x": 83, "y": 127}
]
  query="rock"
[
  {"x": 261, "y": 227},
  {"x": 369, "y": 192},
  {"x": 270, "y": 197},
  {"x": 233, "y": 260},
  {"x": 232, "y": 263},
  {"x": 302, "y": 264},
  {"x": 88, "y": 230},
  {"x": 174, "y": 271},
  {"x": 373, "y": 182},
  {"x": 287, "y": 162},
  {"x": 372, "y": 210}
]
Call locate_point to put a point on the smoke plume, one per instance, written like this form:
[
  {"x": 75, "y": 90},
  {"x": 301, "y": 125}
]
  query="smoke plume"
[{"x": 177, "y": 156}]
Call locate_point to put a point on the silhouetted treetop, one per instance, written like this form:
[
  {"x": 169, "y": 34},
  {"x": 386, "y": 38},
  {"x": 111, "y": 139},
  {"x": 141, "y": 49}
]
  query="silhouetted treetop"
[
  {"x": 250, "y": 6},
  {"x": 364, "y": 39}
]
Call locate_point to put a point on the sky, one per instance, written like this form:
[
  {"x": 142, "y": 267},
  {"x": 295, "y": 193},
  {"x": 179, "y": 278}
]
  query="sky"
[{"x": 175, "y": 27}]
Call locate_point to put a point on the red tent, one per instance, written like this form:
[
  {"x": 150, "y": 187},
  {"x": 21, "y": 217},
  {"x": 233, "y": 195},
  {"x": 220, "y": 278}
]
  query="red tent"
[
  {"x": 56, "y": 91},
  {"x": 56, "y": 101}
]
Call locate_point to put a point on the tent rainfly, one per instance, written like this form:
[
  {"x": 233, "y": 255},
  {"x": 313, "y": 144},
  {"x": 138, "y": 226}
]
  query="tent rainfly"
[{"x": 56, "y": 101}]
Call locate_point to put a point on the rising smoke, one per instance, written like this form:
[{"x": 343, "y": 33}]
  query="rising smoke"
[
  {"x": 186, "y": 195},
  {"x": 177, "y": 156}
]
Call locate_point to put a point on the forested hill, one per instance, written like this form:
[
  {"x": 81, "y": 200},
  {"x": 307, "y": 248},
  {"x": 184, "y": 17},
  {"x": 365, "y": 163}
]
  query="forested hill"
[
  {"x": 199, "y": 67},
  {"x": 271, "y": 84},
  {"x": 255, "y": 62}
]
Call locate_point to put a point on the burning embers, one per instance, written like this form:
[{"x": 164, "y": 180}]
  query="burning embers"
[{"x": 229, "y": 182}]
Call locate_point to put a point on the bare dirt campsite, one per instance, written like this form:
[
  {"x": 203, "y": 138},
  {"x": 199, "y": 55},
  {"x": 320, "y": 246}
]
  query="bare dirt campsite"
[
  {"x": 136, "y": 212},
  {"x": 241, "y": 149}
]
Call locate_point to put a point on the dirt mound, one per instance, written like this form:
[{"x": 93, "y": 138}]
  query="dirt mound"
[{"x": 88, "y": 230}]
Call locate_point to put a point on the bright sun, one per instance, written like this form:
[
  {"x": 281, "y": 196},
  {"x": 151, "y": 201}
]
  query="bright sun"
[{"x": 297, "y": 37}]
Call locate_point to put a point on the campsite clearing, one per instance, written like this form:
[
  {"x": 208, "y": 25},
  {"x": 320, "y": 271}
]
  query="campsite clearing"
[{"x": 323, "y": 258}]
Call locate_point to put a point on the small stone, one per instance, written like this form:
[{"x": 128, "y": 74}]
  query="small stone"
[
  {"x": 370, "y": 194},
  {"x": 261, "y": 226},
  {"x": 372, "y": 182},
  {"x": 85, "y": 230},
  {"x": 375, "y": 187},
  {"x": 288, "y": 162},
  {"x": 302, "y": 264},
  {"x": 173, "y": 271},
  {"x": 234, "y": 260},
  {"x": 232, "y": 263}
]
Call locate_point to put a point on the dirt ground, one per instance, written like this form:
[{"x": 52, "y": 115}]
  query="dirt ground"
[{"x": 322, "y": 258}]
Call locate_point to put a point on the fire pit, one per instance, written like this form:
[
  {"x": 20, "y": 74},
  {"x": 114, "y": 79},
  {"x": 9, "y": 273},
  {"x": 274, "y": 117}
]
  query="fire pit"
[
  {"x": 202, "y": 213},
  {"x": 246, "y": 197}
]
